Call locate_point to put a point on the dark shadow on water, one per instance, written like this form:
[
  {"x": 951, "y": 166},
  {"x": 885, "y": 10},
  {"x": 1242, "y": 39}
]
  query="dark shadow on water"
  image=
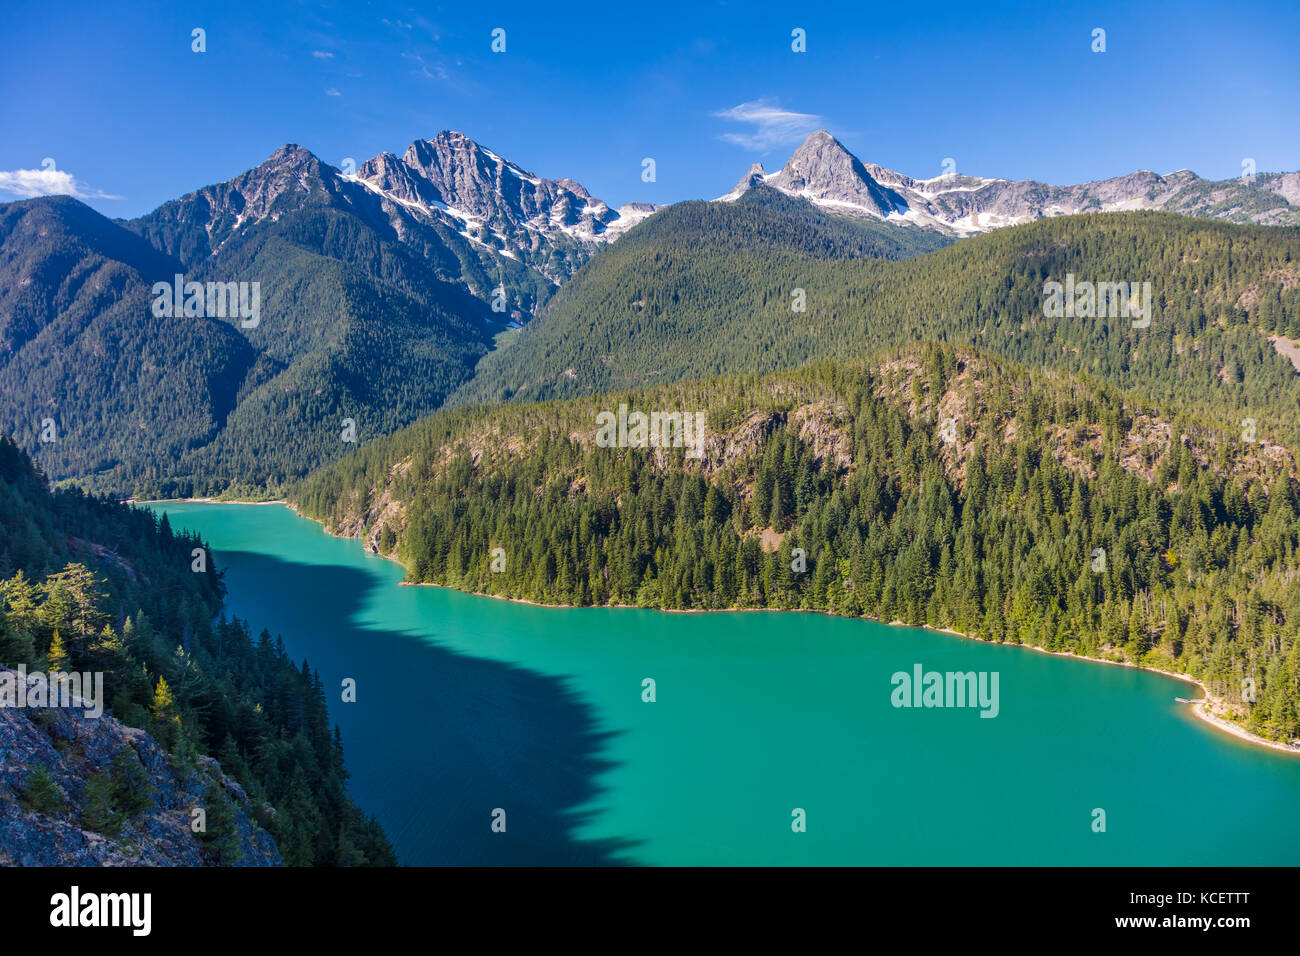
[{"x": 437, "y": 740}]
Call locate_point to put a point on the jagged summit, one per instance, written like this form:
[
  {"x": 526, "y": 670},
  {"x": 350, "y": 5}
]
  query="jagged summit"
[
  {"x": 492, "y": 201},
  {"x": 820, "y": 148}
]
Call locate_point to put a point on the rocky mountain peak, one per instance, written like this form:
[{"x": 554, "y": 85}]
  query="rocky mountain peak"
[
  {"x": 821, "y": 151},
  {"x": 290, "y": 154},
  {"x": 574, "y": 187},
  {"x": 819, "y": 141},
  {"x": 483, "y": 191},
  {"x": 822, "y": 170},
  {"x": 290, "y": 178}
]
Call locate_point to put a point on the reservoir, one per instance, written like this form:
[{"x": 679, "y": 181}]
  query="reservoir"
[{"x": 471, "y": 710}]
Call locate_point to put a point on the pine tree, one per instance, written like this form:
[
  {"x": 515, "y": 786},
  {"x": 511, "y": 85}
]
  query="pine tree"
[
  {"x": 40, "y": 793},
  {"x": 221, "y": 837},
  {"x": 166, "y": 722},
  {"x": 98, "y": 805},
  {"x": 57, "y": 654}
]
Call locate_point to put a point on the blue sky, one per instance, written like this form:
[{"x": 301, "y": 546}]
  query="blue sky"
[{"x": 113, "y": 94}]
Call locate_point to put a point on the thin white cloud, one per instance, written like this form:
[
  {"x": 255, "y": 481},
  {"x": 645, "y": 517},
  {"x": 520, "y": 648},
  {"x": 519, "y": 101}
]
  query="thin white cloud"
[
  {"x": 332, "y": 92},
  {"x": 430, "y": 71},
  {"x": 771, "y": 126},
  {"x": 29, "y": 183},
  {"x": 322, "y": 54}
]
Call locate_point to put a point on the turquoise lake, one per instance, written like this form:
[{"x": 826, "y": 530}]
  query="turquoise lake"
[{"x": 466, "y": 705}]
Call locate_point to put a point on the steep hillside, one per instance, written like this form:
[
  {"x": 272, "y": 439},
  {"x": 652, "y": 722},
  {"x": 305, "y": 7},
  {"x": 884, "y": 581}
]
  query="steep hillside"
[
  {"x": 89, "y": 378},
  {"x": 706, "y": 293},
  {"x": 349, "y": 325},
  {"x": 672, "y": 284},
  {"x": 80, "y": 791},
  {"x": 92, "y": 586},
  {"x": 934, "y": 486}
]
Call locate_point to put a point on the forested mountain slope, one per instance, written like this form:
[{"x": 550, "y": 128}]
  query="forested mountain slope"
[
  {"x": 934, "y": 485},
  {"x": 89, "y": 377},
  {"x": 88, "y": 584},
  {"x": 673, "y": 282},
  {"x": 369, "y": 314},
  {"x": 706, "y": 291},
  {"x": 350, "y": 325}
]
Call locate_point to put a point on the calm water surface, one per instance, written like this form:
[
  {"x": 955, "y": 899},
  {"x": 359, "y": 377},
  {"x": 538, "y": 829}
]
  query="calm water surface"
[{"x": 469, "y": 704}]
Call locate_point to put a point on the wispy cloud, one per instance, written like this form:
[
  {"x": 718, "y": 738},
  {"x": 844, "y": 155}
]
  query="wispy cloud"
[
  {"x": 29, "y": 183},
  {"x": 770, "y": 125},
  {"x": 430, "y": 71},
  {"x": 332, "y": 92},
  {"x": 322, "y": 54}
]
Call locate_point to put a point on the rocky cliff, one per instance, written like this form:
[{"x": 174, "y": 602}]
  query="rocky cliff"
[{"x": 109, "y": 795}]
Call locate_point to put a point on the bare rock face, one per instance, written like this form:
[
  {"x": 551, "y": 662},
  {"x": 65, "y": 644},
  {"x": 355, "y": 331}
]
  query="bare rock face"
[
  {"x": 475, "y": 184},
  {"x": 551, "y": 226},
  {"x": 1287, "y": 186},
  {"x": 387, "y": 174},
  {"x": 824, "y": 169},
  {"x": 72, "y": 747}
]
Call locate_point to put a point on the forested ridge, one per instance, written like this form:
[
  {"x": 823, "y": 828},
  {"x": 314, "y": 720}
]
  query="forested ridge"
[
  {"x": 87, "y": 584},
  {"x": 700, "y": 289},
  {"x": 352, "y": 325},
  {"x": 358, "y": 327},
  {"x": 933, "y": 485}
]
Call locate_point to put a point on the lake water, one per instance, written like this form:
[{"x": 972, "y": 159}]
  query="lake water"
[{"x": 467, "y": 705}]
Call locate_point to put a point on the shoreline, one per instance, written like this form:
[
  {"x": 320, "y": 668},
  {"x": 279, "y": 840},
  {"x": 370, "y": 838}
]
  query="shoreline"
[
  {"x": 199, "y": 501},
  {"x": 1199, "y": 707}
]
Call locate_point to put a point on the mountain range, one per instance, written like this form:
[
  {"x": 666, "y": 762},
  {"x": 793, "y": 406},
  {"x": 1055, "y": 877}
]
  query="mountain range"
[
  {"x": 893, "y": 425},
  {"x": 477, "y": 220},
  {"x": 704, "y": 289},
  {"x": 392, "y": 289},
  {"x": 823, "y": 172}
]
